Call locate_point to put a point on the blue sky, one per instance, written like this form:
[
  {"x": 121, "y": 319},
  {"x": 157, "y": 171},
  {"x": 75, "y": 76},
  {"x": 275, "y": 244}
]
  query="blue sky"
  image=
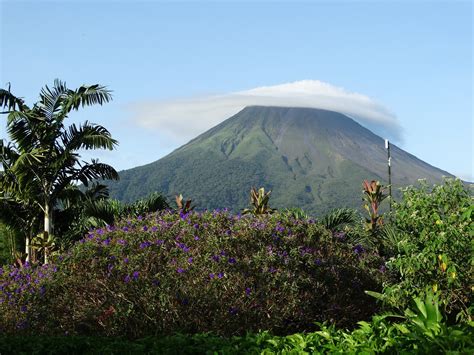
[{"x": 407, "y": 61}]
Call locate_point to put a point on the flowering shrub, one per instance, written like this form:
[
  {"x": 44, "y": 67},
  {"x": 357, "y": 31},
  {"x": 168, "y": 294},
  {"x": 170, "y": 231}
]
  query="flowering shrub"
[
  {"x": 198, "y": 272},
  {"x": 20, "y": 289}
]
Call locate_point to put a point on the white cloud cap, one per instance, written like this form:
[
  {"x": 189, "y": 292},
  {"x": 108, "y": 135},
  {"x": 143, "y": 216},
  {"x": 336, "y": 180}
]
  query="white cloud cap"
[{"x": 184, "y": 119}]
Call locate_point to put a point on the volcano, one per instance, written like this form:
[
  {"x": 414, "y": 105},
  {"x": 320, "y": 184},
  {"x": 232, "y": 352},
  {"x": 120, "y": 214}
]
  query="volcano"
[{"x": 310, "y": 158}]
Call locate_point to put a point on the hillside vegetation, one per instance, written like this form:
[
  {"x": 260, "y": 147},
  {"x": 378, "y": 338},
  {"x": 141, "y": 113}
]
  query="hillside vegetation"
[
  {"x": 283, "y": 272},
  {"x": 310, "y": 158}
]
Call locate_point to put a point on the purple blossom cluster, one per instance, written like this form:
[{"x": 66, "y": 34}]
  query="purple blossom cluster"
[{"x": 18, "y": 284}]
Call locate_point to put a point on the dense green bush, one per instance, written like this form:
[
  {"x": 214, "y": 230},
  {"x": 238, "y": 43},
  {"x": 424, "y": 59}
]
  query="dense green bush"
[
  {"x": 169, "y": 272},
  {"x": 434, "y": 247},
  {"x": 421, "y": 331}
]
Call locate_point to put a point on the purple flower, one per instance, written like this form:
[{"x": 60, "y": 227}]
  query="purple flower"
[
  {"x": 125, "y": 260},
  {"x": 196, "y": 226},
  {"x": 183, "y": 247},
  {"x": 135, "y": 275},
  {"x": 190, "y": 260},
  {"x": 215, "y": 258},
  {"x": 159, "y": 242},
  {"x": 358, "y": 249},
  {"x": 211, "y": 275},
  {"x": 23, "y": 309},
  {"x": 232, "y": 261},
  {"x": 155, "y": 282},
  {"x": 106, "y": 242},
  {"x": 180, "y": 270},
  {"x": 248, "y": 291},
  {"x": 122, "y": 242},
  {"x": 145, "y": 228},
  {"x": 220, "y": 275},
  {"x": 196, "y": 237},
  {"x": 318, "y": 262},
  {"x": 140, "y": 218},
  {"x": 125, "y": 229},
  {"x": 154, "y": 228},
  {"x": 100, "y": 231},
  {"x": 126, "y": 279},
  {"x": 145, "y": 245}
]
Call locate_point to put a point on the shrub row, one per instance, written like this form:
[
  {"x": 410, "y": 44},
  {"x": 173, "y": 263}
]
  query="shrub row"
[{"x": 197, "y": 272}]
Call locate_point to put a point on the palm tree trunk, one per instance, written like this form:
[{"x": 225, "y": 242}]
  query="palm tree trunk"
[
  {"x": 48, "y": 221},
  {"x": 27, "y": 249}
]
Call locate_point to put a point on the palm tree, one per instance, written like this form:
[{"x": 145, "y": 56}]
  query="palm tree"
[{"x": 42, "y": 162}]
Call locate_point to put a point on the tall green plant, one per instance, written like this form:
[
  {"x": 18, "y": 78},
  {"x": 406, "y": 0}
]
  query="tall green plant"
[
  {"x": 259, "y": 201},
  {"x": 42, "y": 161},
  {"x": 374, "y": 194}
]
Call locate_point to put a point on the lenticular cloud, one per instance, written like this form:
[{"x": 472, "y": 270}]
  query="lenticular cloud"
[{"x": 185, "y": 118}]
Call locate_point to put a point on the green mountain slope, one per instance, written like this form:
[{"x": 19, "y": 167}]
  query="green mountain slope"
[{"x": 310, "y": 158}]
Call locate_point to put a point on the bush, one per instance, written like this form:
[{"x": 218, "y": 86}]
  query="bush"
[
  {"x": 21, "y": 288},
  {"x": 434, "y": 252},
  {"x": 167, "y": 273},
  {"x": 418, "y": 335}
]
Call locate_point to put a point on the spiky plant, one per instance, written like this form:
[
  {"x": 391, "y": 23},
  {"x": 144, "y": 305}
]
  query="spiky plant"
[{"x": 339, "y": 217}]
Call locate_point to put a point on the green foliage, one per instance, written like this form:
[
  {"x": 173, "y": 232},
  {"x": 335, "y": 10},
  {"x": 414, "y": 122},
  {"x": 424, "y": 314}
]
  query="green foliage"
[
  {"x": 295, "y": 212},
  {"x": 8, "y": 242},
  {"x": 339, "y": 217},
  {"x": 170, "y": 272},
  {"x": 259, "y": 201},
  {"x": 433, "y": 250},
  {"x": 96, "y": 210},
  {"x": 416, "y": 332}
]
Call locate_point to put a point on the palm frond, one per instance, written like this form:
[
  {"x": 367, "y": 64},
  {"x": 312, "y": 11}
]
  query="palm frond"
[
  {"x": 85, "y": 96},
  {"x": 338, "y": 217},
  {"x": 152, "y": 203},
  {"x": 8, "y": 154},
  {"x": 103, "y": 210},
  {"x": 85, "y": 174},
  {"x": 10, "y": 102},
  {"x": 97, "y": 191},
  {"x": 51, "y": 99},
  {"x": 87, "y": 136}
]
